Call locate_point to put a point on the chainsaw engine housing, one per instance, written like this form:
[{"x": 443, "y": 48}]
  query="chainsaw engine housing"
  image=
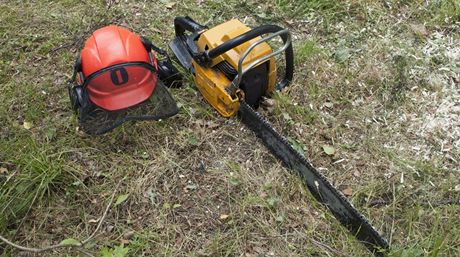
[
  {"x": 230, "y": 62},
  {"x": 213, "y": 80}
]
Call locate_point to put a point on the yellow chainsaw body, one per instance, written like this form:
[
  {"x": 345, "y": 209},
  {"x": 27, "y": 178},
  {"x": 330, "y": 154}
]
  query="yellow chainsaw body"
[{"x": 211, "y": 82}]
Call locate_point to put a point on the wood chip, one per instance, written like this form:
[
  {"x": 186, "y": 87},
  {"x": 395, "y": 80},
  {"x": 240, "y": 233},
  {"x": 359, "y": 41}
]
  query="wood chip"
[
  {"x": 27, "y": 125},
  {"x": 419, "y": 29},
  {"x": 346, "y": 190}
]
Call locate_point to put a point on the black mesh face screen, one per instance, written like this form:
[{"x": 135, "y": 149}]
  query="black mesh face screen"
[{"x": 95, "y": 120}]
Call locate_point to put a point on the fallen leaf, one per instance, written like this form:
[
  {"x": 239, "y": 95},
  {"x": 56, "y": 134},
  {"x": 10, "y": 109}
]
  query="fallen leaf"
[
  {"x": 268, "y": 102},
  {"x": 223, "y": 216},
  {"x": 69, "y": 241},
  {"x": 128, "y": 235},
  {"x": 419, "y": 29},
  {"x": 27, "y": 125},
  {"x": 175, "y": 206},
  {"x": 347, "y": 191},
  {"x": 286, "y": 116},
  {"x": 191, "y": 187},
  {"x": 298, "y": 146},
  {"x": 51, "y": 134},
  {"x": 3, "y": 170},
  {"x": 212, "y": 125},
  {"x": 357, "y": 173},
  {"x": 234, "y": 181},
  {"x": 457, "y": 188},
  {"x": 110, "y": 228},
  {"x": 170, "y": 5},
  {"x": 259, "y": 249},
  {"x": 329, "y": 150},
  {"x": 121, "y": 199},
  {"x": 328, "y": 105},
  {"x": 342, "y": 54},
  {"x": 279, "y": 218},
  {"x": 192, "y": 140},
  {"x": 272, "y": 201}
]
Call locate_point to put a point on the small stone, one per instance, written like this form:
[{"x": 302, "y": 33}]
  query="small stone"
[
  {"x": 128, "y": 235},
  {"x": 110, "y": 228},
  {"x": 223, "y": 216},
  {"x": 457, "y": 188}
]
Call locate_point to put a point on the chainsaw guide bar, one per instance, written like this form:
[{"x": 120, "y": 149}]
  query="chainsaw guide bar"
[{"x": 318, "y": 185}]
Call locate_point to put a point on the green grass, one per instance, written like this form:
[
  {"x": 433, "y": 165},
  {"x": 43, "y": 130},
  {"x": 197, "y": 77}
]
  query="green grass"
[
  {"x": 38, "y": 173},
  {"x": 363, "y": 83}
]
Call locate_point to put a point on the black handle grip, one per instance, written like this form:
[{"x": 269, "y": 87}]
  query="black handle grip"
[{"x": 182, "y": 24}]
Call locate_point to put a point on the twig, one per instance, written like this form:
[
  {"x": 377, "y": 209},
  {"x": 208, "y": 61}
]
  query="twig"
[
  {"x": 62, "y": 47},
  {"x": 103, "y": 216},
  {"x": 76, "y": 245},
  {"x": 327, "y": 247},
  {"x": 317, "y": 243},
  {"x": 85, "y": 252}
]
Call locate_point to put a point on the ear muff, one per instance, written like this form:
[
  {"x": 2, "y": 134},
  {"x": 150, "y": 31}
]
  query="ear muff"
[
  {"x": 79, "y": 71},
  {"x": 147, "y": 43},
  {"x": 75, "y": 89},
  {"x": 166, "y": 70},
  {"x": 73, "y": 97},
  {"x": 77, "y": 65},
  {"x": 148, "y": 47}
]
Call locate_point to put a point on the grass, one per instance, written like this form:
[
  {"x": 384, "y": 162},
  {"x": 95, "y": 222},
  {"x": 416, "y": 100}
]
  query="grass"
[{"x": 370, "y": 76}]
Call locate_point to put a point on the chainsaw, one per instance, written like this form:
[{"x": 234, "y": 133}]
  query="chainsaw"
[{"x": 234, "y": 67}]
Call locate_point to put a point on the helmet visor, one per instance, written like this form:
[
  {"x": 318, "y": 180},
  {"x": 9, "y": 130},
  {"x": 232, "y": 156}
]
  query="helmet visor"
[{"x": 95, "y": 120}]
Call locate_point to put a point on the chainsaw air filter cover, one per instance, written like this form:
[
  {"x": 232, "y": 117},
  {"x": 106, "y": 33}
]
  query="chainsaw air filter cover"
[{"x": 116, "y": 80}]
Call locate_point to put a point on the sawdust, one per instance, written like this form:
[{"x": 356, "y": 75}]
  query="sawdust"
[{"x": 437, "y": 118}]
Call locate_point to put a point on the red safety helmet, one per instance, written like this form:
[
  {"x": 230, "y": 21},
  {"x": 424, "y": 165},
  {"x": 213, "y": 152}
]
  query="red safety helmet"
[
  {"x": 115, "y": 73},
  {"x": 115, "y": 48}
]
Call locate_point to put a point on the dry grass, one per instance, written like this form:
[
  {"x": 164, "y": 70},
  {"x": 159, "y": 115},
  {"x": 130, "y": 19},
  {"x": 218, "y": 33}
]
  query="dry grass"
[{"x": 378, "y": 81}]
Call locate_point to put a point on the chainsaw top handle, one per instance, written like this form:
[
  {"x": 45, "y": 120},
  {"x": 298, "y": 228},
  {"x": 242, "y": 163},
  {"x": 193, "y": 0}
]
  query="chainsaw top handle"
[
  {"x": 183, "y": 24},
  {"x": 256, "y": 32}
]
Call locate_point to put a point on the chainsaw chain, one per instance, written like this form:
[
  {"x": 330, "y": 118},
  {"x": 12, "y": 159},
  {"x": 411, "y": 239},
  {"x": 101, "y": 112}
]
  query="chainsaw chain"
[{"x": 317, "y": 183}]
